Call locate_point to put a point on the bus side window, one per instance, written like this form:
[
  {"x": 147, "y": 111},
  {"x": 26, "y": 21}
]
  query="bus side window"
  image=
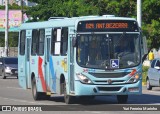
[
  {"x": 55, "y": 42},
  {"x": 34, "y": 42},
  {"x": 54, "y": 34},
  {"x": 22, "y": 42},
  {"x": 64, "y": 42},
  {"x": 40, "y": 47}
]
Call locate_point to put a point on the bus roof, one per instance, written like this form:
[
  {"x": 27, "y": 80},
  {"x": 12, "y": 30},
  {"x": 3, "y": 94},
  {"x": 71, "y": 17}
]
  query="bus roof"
[{"x": 64, "y": 22}]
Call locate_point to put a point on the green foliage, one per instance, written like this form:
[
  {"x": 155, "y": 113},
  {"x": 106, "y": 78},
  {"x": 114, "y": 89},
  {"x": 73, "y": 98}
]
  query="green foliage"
[
  {"x": 144, "y": 74},
  {"x": 152, "y": 31},
  {"x": 12, "y": 41},
  {"x": 151, "y": 22},
  {"x": 70, "y": 8},
  {"x": 61, "y": 8},
  {"x": 12, "y": 7}
]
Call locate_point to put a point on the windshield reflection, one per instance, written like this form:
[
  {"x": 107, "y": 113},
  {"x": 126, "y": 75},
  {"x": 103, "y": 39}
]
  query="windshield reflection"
[{"x": 108, "y": 50}]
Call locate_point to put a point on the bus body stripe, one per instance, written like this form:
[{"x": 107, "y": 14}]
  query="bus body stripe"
[
  {"x": 40, "y": 72},
  {"x": 53, "y": 74}
]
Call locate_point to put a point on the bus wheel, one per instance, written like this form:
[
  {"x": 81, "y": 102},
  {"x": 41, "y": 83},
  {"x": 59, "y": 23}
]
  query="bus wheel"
[
  {"x": 149, "y": 87},
  {"x": 67, "y": 98},
  {"x": 36, "y": 95},
  {"x": 122, "y": 98}
]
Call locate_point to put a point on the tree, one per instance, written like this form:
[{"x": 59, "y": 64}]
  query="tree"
[
  {"x": 61, "y": 8},
  {"x": 151, "y": 22}
]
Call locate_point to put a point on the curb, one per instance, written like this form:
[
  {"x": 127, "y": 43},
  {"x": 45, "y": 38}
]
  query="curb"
[{"x": 143, "y": 84}]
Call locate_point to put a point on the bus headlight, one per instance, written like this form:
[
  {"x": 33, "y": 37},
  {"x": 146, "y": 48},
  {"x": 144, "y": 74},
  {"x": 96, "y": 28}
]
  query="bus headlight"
[
  {"x": 83, "y": 78},
  {"x": 133, "y": 79}
]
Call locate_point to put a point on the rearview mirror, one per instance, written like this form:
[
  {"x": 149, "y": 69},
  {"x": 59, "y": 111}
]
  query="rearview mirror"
[{"x": 144, "y": 57}]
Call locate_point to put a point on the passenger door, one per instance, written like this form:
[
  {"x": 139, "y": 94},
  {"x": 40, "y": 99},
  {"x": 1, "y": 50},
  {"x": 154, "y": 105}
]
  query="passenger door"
[
  {"x": 47, "y": 55},
  {"x": 71, "y": 60},
  {"x": 28, "y": 43},
  {"x": 22, "y": 78},
  {"x": 42, "y": 63}
]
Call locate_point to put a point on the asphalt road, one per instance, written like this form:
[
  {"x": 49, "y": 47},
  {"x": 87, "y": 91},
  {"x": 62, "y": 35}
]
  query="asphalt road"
[{"x": 12, "y": 94}]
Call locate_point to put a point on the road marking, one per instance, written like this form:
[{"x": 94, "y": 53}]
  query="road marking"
[
  {"x": 13, "y": 88},
  {"x": 24, "y": 101},
  {"x": 95, "y": 112}
]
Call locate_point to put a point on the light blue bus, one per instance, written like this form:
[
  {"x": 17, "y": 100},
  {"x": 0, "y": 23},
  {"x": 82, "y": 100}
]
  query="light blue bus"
[{"x": 81, "y": 57}]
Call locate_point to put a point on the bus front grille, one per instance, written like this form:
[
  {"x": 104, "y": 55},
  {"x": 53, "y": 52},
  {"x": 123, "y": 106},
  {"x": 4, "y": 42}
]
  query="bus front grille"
[
  {"x": 109, "y": 75},
  {"x": 109, "y": 88}
]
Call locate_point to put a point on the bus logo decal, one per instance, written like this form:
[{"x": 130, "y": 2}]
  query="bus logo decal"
[
  {"x": 53, "y": 74},
  {"x": 40, "y": 72},
  {"x": 109, "y": 81}
]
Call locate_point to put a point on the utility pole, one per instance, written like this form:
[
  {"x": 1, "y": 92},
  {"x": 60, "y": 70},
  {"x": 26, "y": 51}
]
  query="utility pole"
[
  {"x": 6, "y": 28},
  {"x": 22, "y": 9},
  {"x": 139, "y": 13}
]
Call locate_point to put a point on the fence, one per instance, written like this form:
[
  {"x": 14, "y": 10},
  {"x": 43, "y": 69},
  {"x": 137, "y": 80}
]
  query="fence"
[{"x": 12, "y": 51}]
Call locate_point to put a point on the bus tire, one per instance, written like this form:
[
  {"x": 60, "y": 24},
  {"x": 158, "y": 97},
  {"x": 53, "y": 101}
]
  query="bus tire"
[
  {"x": 148, "y": 86},
  {"x": 67, "y": 98},
  {"x": 36, "y": 95},
  {"x": 122, "y": 99}
]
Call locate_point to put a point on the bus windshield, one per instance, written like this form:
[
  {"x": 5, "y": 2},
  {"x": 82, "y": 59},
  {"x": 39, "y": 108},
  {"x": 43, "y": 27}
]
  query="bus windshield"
[{"x": 109, "y": 51}]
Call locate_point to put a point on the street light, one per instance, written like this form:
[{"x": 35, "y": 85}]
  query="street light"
[
  {"x": 6, "y": 28},
  {"x": 139, "y": 12},
  {"x": 22, "y": 9}
]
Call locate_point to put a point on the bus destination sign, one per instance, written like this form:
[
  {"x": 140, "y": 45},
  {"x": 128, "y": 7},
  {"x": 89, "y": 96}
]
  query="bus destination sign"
[{"x": 107, "y": 26}]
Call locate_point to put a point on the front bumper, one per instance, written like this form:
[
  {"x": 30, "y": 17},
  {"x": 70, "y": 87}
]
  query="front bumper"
[
  {"x": 11, "y": 73},
  {"x": 125, "y": 89}
]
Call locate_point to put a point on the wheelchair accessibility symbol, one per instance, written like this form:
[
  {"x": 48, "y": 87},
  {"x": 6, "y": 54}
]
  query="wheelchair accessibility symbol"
[{"x": 114, "y": 63}]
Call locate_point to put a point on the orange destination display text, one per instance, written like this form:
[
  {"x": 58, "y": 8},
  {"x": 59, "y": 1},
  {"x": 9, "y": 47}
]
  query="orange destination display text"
[{"x": 106, "y": 25}]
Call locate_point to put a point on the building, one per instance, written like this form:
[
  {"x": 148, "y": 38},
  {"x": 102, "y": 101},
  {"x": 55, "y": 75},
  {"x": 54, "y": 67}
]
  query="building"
[{"x": 19, "y": 2}]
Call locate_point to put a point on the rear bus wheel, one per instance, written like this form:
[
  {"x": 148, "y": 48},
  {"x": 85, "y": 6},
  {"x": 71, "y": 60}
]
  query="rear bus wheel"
[
  {"x": 36, "y": 95},
  {"x": 67, "y": 98}
]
